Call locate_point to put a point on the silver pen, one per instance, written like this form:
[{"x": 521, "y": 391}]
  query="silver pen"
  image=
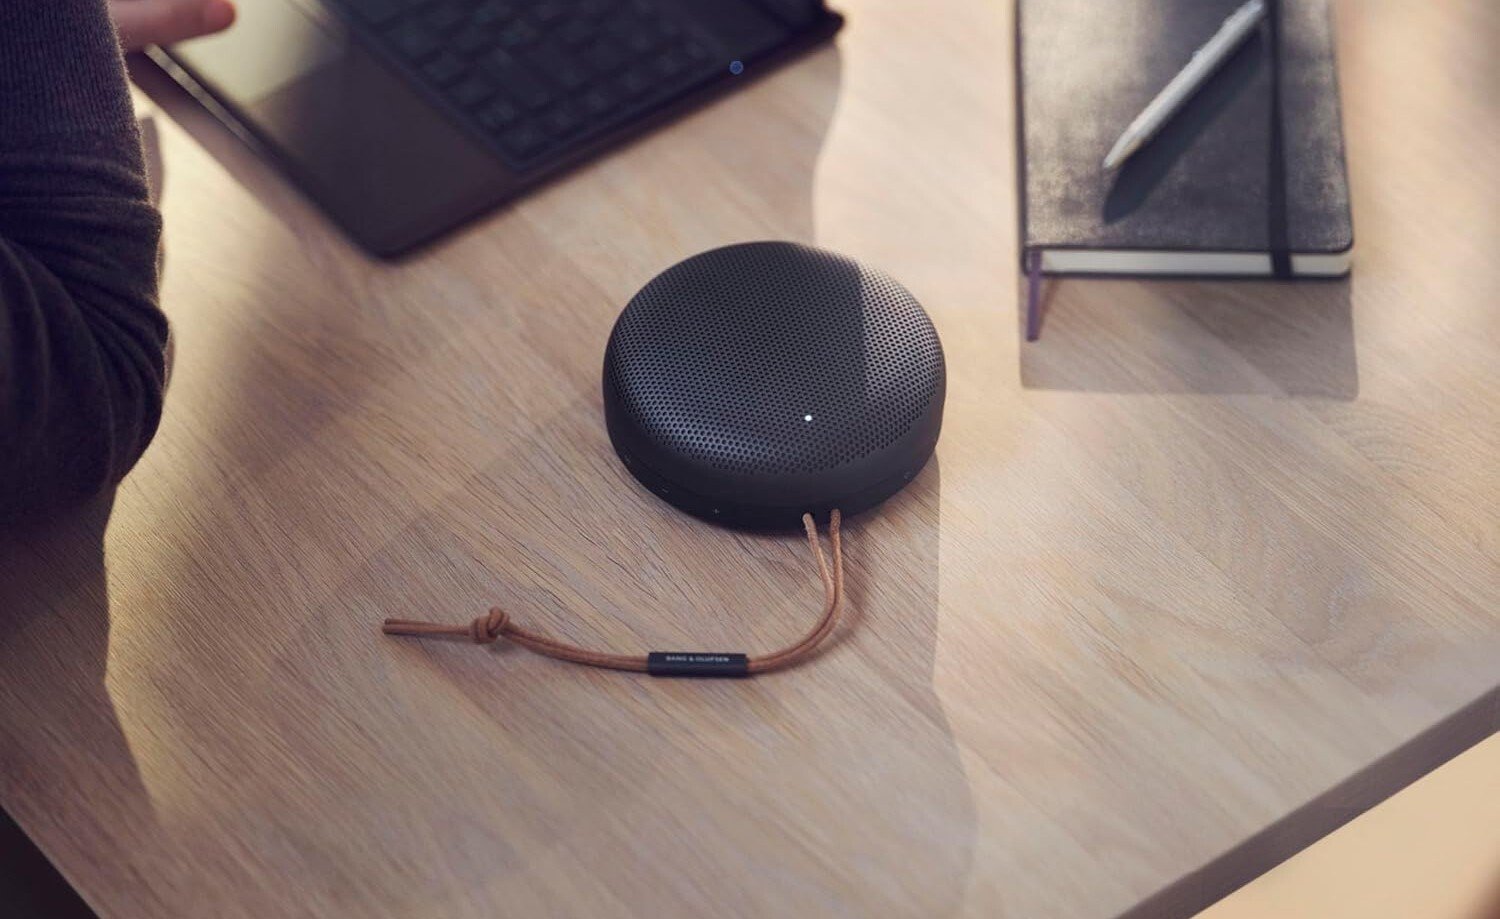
[{"x": 1202, "y": 65}]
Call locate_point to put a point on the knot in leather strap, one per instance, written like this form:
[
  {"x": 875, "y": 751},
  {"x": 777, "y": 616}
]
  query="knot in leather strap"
[{"x": 487, "y": 628}]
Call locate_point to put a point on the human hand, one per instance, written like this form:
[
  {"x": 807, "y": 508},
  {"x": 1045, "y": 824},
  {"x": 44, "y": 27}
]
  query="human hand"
[{"x": 161, "y": 22}]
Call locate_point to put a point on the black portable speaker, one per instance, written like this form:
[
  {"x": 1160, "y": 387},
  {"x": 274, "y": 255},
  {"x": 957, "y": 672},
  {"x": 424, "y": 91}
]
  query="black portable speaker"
[{"x": 752, "y": 384}]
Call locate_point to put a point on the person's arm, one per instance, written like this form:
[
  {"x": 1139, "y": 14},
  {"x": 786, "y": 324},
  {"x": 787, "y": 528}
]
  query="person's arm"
[{"x": 81, "y": 337}]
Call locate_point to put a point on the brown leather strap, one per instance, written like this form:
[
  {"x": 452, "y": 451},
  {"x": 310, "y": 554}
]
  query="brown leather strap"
[{"x": 497, "y": 623}]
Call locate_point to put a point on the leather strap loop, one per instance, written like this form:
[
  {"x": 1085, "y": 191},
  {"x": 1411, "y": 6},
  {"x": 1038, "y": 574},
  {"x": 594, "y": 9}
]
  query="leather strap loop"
[{"x": 497, "y": 624}]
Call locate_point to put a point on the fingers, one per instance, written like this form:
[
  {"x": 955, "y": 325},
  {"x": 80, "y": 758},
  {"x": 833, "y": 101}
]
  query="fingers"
[{"x": 161, "y": 22}]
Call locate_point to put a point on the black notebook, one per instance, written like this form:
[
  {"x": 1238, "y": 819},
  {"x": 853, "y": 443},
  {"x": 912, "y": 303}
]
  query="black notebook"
[{"x": 1247, "y": 178}]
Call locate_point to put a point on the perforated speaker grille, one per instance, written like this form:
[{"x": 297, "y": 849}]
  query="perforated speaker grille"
[{"x": 768, "y": 359}]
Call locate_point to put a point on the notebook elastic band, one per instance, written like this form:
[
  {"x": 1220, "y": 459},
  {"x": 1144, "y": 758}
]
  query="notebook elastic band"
[{"x": 1277, "y": 231}]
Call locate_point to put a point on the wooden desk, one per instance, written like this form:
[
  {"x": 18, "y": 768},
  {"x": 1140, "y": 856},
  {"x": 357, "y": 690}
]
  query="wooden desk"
[{"x": 1202, "y": 554}]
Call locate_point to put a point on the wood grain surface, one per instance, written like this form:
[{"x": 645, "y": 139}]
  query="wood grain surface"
[{"x": 1199, "y": 556}]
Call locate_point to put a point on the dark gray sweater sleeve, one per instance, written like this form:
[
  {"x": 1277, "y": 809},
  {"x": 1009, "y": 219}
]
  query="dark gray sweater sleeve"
[{"x": 81, "y": 338}]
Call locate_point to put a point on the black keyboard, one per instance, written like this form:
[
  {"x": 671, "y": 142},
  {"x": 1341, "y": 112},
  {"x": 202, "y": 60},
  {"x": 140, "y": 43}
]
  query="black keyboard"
[{"x": 536, "y": 78}]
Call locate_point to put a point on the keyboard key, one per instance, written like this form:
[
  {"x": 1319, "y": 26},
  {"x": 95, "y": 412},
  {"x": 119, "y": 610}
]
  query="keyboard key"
[
  {"x": 377, "y": 12},
  {"x": 518, "y": 83},
  {"x": 639, "y": 39},
  {"x": 605, "y": 57},
  {"x": 579, "y": 32},
  {"x": 471, "y": 92},
  {"x": 563, "y": 119},
  {"x": 599, "y": 101},
  {"x": 492, "y": 13},
  {"x": 517, "y": 34},
  {"x": 416, "y": 41},
  {"x": 636, "y": 81},
  {"x": 472, "y": 43},
  {"x": 445, "y": 69},
  {"x": 497, "y": 116},
  {"x": 500, "y": 62},
  {"x": 670, "y": 64},
  {"x": 549, "y": 12},
  {"x": 532, "y": 94},
  {"x": 445, "y": 17},
  {"x": 524, "y": 141},
  {"x": 559, "y": 66}
]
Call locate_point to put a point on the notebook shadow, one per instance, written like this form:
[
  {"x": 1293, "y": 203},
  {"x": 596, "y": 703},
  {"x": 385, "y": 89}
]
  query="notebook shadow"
[
  {"x": 1292, "y": 339},
  {"x": 1115, "y": 334},
  {"x": 1139, "y": 176}
]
